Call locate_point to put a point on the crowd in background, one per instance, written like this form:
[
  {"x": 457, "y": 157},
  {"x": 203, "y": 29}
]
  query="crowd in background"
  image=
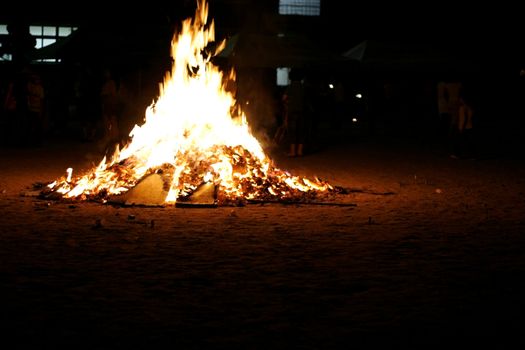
[{"x": 98, "y": 104}]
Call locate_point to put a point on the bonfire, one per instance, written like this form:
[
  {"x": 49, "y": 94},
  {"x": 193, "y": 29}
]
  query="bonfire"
[{"x": 193, "y": 136}]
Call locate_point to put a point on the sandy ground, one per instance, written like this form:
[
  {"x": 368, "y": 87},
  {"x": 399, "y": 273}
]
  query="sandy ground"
[{"x": 438, "y": 263}]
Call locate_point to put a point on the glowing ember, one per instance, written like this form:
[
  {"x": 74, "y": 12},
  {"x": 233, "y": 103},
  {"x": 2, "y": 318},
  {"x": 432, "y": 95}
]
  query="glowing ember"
[{"x": 192, "y": 134}]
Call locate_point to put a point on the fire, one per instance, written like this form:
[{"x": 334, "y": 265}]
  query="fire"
[{"x": 192, "y": 134}]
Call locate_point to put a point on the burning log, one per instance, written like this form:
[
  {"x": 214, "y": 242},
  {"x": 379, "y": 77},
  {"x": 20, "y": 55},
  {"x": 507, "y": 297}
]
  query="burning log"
[
  {"x": 204, "y": 196},
  {"x": 150, "y": 191}
]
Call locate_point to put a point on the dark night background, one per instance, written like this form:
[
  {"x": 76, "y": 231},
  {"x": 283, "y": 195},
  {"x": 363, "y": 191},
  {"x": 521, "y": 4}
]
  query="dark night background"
[
  {"x": 421, "y": 45},
  {"x": 431, "y": 256}
]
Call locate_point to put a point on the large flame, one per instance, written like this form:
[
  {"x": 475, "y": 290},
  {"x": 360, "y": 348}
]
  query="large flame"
[{"x": 194, "y": 133}]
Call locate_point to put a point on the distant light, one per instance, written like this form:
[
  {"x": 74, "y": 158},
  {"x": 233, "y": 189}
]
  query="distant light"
[
  {"x": 283, "y": 76},
  {"x": 64, "y": 31},
  {"x": 331, "y": 86},
  {"x": 354, "y": 120},
  {"x": 358, "y": 96}
]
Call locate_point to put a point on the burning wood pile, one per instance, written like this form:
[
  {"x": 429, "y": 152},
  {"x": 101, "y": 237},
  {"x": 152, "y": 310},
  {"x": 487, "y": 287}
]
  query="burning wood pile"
[{"x": 195, "y": 142}]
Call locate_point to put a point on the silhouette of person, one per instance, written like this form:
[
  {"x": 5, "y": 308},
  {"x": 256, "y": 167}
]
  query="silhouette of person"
[
  {"x": 85, "y": 101},
  {"x": 12, "y": 106},
  {"x": 24, "y": 108},
  {"x": 35, "y": 108},
  {"x": 109, "y": 108},
  {"x": 464, "y": 144},
  {"x": 448, "y": 108},
  {"x": 296, "y": 109},
  {"x": 339, "y": 104},
  {"x": 15, "y": 107}
]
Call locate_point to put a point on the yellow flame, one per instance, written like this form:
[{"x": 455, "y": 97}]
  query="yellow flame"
[
  {"x": 191, "y": 128},
  {"x": 69, "y": 174}
]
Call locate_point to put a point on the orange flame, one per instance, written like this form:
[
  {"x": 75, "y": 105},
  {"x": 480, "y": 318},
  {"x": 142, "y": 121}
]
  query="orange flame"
[{"x": 191, "y": 134}]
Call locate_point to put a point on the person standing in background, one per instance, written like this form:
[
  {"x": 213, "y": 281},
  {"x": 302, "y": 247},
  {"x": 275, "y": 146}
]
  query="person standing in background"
[
  {"x": 109, "y": 109},
  {"x": 465, "y": 145},
  {"x": 295, "y": 118},
  {"x": 448, "y": 108},
  {"x": 36, "y": 114}
]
